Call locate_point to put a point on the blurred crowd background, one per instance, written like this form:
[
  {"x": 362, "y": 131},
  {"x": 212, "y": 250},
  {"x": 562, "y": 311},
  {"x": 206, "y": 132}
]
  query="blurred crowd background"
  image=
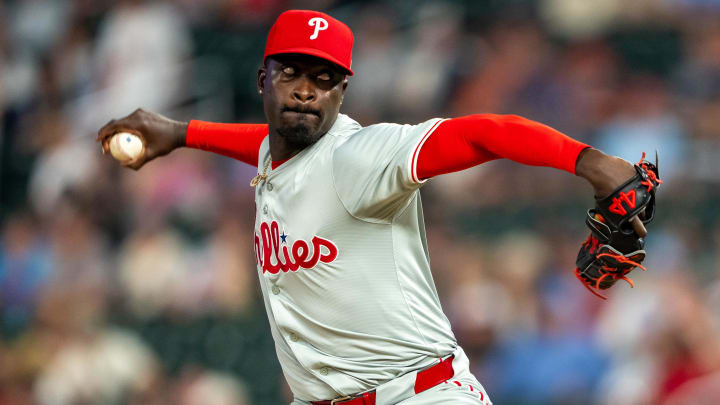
[{"x": 121, "y": 287}]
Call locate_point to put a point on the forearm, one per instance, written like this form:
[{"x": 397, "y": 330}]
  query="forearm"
[
  {"x": 238, "y": 141},
  {"x": 464, "y": 142},
  {"x": 604, "y": 172}
]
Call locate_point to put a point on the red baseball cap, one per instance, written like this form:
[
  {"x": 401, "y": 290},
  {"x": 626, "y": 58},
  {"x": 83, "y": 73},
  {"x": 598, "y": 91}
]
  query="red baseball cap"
[{"x": 311, "y": 33}]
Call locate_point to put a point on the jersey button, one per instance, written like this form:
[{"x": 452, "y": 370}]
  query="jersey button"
[
  {"x": 265, "y": 210},
  {"x": 294, "y": 337},
  {"x": 269, "y": 186},
  {"x": 275, "y": 290},
  {"x": 324, "y": 371}
]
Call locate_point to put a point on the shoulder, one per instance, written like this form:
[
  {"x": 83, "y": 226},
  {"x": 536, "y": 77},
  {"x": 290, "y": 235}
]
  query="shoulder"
[
  {"x": 375, "y": 131},
  {"x": 362, "y": 145},
  {"x": 385, "y": 137},
  {"x": 380, "y": 146}
]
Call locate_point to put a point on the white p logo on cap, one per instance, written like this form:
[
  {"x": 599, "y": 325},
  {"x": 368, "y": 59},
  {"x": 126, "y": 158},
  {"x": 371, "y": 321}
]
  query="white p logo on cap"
[{"x": 320, "y": 24}]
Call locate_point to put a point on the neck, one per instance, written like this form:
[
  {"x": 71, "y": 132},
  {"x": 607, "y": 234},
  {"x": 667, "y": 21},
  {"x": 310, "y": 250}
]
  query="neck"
[{"x": 280, "y": 149}]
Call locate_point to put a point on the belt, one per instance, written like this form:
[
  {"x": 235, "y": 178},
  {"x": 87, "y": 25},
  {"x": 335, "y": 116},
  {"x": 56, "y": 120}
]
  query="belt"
[{"x": 424, "y": 380}]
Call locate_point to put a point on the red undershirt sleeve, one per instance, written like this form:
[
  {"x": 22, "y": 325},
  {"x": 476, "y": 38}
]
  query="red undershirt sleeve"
[
  {"x": 238, "y": 141},
  {"x": 464, "y": 142}
]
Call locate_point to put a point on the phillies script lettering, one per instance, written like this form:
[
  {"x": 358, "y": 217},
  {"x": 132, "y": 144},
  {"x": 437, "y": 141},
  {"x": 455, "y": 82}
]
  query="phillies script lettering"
[{"x": 269, "y": 248}]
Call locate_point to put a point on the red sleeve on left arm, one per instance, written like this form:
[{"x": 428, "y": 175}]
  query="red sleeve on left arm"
[
  {"x": 238, "y": 141},
  {"x": 464, "y": 142}
]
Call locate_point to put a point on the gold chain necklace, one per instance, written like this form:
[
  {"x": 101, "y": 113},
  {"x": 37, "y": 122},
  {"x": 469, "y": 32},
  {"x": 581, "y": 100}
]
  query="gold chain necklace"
[{"x": 261, "y": 177}]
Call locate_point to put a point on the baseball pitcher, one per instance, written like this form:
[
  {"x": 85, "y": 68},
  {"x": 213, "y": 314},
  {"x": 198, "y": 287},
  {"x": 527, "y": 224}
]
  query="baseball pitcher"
[{"x": 339, "y": 239}]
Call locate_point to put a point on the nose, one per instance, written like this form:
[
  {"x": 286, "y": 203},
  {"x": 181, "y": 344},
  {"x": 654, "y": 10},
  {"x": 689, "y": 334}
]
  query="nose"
[{"x": 304, "y": 91}]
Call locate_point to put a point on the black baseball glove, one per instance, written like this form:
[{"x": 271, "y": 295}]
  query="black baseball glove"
[{"x": 613, "y": 249}]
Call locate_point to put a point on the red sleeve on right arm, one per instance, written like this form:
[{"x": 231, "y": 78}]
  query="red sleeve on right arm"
[
  {"x": 238, "y": 141},
  {"x": 460, "y": 143}
]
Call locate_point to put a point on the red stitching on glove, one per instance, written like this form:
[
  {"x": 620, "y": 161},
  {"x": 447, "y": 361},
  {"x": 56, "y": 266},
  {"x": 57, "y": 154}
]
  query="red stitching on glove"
[{"x": 652, "y": 177}]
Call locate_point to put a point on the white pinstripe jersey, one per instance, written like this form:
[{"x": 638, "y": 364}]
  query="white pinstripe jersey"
[{"x": 343, "y": 261}]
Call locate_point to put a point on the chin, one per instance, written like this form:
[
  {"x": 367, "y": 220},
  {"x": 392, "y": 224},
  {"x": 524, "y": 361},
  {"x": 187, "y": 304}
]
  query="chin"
[{"x": 298, "y": 135}]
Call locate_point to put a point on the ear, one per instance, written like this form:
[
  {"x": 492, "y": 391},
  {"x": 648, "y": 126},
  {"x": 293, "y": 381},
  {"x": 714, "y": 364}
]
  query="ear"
[
  {"x": 261, "y": 75},
  {"x": 344, "y": 87}
]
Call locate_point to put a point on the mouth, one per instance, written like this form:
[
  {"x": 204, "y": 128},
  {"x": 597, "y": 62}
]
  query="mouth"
[{"x": 301, "y": 112}]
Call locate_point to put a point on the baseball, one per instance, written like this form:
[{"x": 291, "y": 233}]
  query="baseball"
[{"x": 125, "y": 146}]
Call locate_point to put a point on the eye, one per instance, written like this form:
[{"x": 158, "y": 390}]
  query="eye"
[
  {"x": 288, "y": 70},
  {"x": 325, "y": 76}
]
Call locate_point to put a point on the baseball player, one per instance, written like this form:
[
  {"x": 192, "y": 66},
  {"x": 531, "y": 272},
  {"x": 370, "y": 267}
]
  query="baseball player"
[{"x": 339, "y": 238}]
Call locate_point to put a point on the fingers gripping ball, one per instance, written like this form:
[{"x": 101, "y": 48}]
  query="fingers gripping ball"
[
  {"x": 613, "y": 248},
  {"x": 126, "y": 147}
]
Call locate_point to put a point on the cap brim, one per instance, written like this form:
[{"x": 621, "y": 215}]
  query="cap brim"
[{"x": 313, "y": 52}]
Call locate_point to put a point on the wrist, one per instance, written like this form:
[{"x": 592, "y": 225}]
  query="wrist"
[
  {"x": 180, "y": 133},
  {"x": 588, "y": 164},
  {"x": 604, "y": 172}
]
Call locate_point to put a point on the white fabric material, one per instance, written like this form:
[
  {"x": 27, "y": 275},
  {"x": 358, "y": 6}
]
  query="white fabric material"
[
  {"x": 364, "y": 309},
  {"x": 457, "y": 390}
]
